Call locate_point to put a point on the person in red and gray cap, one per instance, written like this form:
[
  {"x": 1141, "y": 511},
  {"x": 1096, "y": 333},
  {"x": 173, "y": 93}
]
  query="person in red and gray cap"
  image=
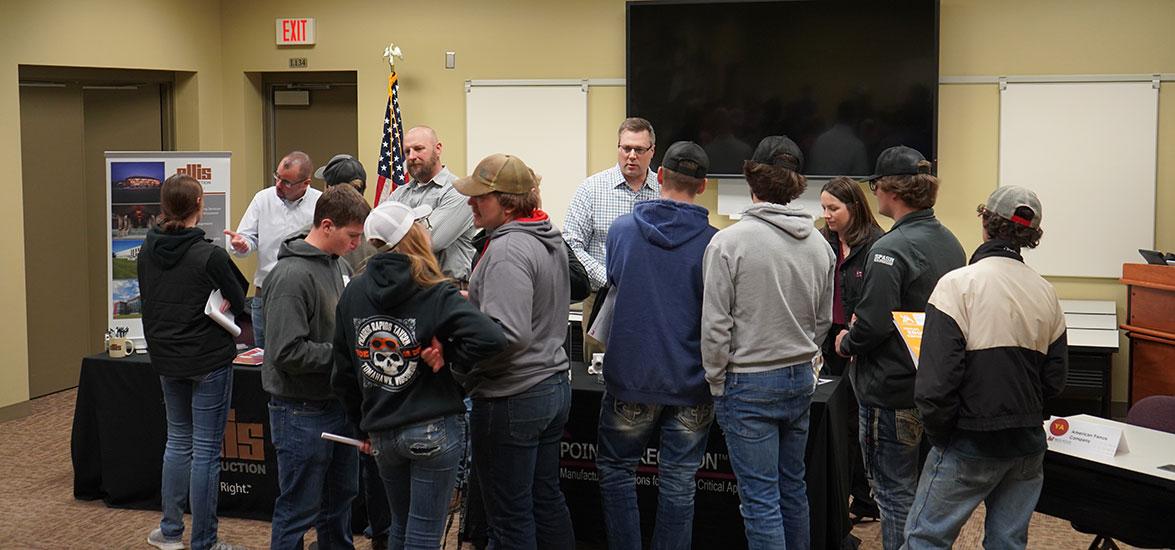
[
  {"x": 902, "y": 268},
  {"x": 993, "y": 349}
]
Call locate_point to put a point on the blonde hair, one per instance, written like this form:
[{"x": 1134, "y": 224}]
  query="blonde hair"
[{"x": 425, "y": 269}]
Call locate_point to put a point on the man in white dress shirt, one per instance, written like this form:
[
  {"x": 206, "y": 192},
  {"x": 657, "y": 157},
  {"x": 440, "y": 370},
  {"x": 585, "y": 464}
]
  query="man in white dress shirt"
[{"x": 276, "y": 213}]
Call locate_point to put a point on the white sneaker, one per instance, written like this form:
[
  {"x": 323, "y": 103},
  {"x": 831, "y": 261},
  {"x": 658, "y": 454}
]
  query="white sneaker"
[{"x": 156, "y": 539}]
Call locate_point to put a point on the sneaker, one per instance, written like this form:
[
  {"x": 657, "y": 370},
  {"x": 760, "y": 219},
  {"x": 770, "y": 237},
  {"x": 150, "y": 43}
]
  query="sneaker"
[
  {"x": 221, "y": 545},
  {"x": 156, "y": 539}
]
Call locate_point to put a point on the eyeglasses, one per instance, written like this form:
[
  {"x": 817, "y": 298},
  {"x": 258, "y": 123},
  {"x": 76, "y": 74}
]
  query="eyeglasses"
[
  {"x": 981, "y": 209},
  {"x": 424, "y": 221},
  {"x": 872, "y": 186},
  {"x": 286, "y": 183},
  {"x": 630, "y": 150}
]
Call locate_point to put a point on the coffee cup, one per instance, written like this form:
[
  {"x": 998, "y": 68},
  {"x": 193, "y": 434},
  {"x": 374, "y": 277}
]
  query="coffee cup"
[{"x": 121, "y": 347}]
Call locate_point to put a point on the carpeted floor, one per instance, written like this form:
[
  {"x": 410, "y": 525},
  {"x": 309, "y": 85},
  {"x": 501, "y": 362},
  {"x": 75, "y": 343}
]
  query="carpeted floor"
[{"x": 38, "y": 511}]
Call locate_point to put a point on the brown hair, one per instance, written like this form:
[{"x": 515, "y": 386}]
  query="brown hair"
[
  {"x": 676, "y": 181},
  {"x": 862, "y": 224},
  {"x": 179, "y": 199},
  {"x": 1020, "y": 236},
  {"x": 918, "y": 191},
  {"x": 425, "y": 269},
  {"x": 341, "y": 204},
  {"x": 773, "y": 183},
  {"x": 637, "y": 125},
  {"x": 521, "y": 205}
]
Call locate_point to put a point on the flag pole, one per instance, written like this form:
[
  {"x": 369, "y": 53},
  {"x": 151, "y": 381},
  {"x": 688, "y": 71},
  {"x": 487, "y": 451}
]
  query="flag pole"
[{"x": 390, "y": 153}]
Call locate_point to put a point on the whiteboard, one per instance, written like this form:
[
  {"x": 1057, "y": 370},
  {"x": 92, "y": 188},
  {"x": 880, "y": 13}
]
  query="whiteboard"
[
  {"x": 734, "y": 197},
  {"x": 544, "y": 125},
  {"x": 1088, "y": 150}
]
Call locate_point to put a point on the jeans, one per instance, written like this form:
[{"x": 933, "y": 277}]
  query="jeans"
[
  {"x": 890, "y": 441},
  {"x": 953, "y": 485},
  {"x": 764, "y": 416},
  {"x": 418, "y": 464},
  {"x": 258, "y": 317},
  {"x": 197, "y": 409},
  {"x": 625, "y": 429},
  {"x": 516, "y": 460},
  {"x": 318, "y": 479},
  {"x": 376, "y": 500}
]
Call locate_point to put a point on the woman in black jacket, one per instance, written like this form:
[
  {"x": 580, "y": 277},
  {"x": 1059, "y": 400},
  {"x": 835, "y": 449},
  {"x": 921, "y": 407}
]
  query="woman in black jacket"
[
  {"x": 414, "y": 414},
  {"x": 850, "y": 229},
  {"x": 178, "y": 269}
]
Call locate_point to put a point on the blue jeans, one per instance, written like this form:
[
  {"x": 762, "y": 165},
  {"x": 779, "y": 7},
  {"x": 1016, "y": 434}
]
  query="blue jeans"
[
  {"x": 197, "y": 409},
  {"x": 375, "y": 497},
  {"x": 625, "y": 429},
  {"x": 418, "y": 464},
  {"x": 318, "y": 479},
  {"x": 764, "y": 416},
  {"x": 953, "y": 485},
  {"x": 890, "y": 441},
  {"x": 516, "y": 460},
  {"x": 257, "y": 312}
]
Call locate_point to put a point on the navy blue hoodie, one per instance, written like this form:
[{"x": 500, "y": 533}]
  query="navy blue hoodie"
[{"x": 655, "y": 264}]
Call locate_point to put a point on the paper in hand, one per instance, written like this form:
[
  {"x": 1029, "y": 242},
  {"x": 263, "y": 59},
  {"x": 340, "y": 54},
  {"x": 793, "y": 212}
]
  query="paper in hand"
[{"x": 223, "y": 318}]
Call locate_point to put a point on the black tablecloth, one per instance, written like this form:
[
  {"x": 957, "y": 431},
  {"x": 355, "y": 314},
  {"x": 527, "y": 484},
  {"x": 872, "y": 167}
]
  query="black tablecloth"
[
  {"x": 120, "y": 428},
  {"x": 717, "y": 523}
]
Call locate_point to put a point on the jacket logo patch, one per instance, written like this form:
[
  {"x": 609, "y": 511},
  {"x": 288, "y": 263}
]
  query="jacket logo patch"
[
  {"x": 883, "y": 259},
  {"x": 388, "y": 350}
]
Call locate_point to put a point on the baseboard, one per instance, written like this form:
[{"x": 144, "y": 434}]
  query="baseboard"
[
  {"x": 1118, "y": 410},
  {"x": 15, "y": 411}
]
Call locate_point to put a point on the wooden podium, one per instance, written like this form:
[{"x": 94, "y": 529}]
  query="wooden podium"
[{"x": 1150, "y": 326}]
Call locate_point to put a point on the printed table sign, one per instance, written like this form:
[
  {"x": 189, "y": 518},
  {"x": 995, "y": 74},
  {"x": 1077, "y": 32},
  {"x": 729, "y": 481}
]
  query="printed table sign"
[{"x": 1081, "y": 437}]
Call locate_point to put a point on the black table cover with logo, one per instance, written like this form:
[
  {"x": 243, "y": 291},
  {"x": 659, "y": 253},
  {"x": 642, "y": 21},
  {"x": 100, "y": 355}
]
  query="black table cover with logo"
[{"x": 717, "y": 523}]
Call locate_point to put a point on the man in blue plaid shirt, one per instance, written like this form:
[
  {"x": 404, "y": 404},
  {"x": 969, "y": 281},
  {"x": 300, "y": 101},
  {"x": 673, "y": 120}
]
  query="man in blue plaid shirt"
[{"x": 605, "y": 196}]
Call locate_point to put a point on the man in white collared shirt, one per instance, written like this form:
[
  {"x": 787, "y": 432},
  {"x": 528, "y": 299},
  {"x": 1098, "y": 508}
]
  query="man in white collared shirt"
[
  {"x": 276, "y": 213},
  {"x": 605, "y": 196},
  {"x": 451, "y": 221}
]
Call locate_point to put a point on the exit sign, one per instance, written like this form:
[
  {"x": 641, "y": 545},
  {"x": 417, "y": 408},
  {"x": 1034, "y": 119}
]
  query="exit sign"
[{"x": 295, "y": 31}]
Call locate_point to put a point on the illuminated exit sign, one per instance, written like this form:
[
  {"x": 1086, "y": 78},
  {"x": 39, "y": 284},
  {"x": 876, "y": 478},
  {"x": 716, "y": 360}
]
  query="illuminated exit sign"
[{"x": 295, "y": 31}]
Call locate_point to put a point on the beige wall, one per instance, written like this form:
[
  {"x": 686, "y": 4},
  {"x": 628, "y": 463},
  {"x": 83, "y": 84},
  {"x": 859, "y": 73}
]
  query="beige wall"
[{"x": 540, "y": 39}]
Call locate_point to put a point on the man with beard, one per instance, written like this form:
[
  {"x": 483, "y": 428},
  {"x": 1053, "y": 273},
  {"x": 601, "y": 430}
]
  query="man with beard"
[
  {"x": 275, "y": 214},
  {"x": 451, "y": 221}
]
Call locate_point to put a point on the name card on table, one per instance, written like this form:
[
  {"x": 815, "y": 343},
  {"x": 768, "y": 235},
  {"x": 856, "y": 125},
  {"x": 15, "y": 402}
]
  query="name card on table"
[{"x": 1088, "y": 438}]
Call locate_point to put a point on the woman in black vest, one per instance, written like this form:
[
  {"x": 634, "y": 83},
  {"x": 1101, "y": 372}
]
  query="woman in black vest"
[
  {"x": 178, "y": 269},
  {"x": 850, "y": 229}
]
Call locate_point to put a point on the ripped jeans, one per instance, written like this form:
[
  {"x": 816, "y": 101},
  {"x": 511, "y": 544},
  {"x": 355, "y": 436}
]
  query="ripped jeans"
[{"x": 418, "y": 464}]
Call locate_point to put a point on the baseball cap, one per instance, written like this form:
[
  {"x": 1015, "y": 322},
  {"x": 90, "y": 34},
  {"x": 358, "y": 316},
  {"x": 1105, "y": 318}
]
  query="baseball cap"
[
  {"x": 1007, "y": 202},
  {"x": 390, "y": 221},
  {"x": 342, "y": 168},
  {"x": 687, "y": 158},
  {"x": 898, "y": 160},
  {"x": 498, "y": 172},
  {"x": 770, "y": 149}
]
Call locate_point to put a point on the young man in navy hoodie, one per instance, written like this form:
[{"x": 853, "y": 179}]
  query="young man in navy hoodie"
[{"x": 653, "y": 369}]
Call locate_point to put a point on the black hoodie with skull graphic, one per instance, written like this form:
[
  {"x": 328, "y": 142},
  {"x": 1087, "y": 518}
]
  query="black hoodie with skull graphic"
[{"x": 383, "y": 322}]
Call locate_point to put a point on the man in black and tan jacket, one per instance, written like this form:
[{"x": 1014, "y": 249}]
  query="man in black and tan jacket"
[{"x": 993, "y": 350}]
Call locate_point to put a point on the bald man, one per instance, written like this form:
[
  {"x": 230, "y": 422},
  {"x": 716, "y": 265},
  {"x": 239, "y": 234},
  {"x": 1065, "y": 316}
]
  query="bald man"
[{"x": 451, "y": 221}]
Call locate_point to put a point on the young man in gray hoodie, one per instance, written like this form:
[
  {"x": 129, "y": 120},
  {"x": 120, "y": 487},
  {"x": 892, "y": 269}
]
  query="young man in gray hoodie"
[
  {"x": 317, "y": 479},
  {"x": 766, "y": 307},
  {"x": 521, "y": 397}
]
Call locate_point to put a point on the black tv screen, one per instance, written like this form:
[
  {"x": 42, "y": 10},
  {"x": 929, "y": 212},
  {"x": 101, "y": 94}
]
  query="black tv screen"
[{"x": 843, "y": 79}]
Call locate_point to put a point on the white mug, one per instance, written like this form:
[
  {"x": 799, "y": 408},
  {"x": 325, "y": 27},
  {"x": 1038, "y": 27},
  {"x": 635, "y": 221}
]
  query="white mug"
[{"x": 121, "y": 347}]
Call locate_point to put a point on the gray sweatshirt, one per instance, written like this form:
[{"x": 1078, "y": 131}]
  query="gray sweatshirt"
[
  {"x": 300, "y": 298},
  {"x": 767, "y": 302},
  {"x": 522, "y": 283}
]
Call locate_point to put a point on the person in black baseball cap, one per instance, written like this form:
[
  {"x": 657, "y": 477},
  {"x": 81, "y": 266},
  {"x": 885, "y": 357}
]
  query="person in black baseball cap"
[
  {"x": 343, "y": 168},
  {"x": 902, "y": 269},
  {"x": 654, "y": 269}
]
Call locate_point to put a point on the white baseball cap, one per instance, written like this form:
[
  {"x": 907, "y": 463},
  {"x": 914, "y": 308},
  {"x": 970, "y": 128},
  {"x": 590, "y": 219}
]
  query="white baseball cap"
[{"x": 390, "y": 221}]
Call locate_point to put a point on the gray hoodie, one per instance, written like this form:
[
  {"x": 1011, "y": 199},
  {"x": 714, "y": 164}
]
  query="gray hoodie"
[
  {"x": 300, "y": 298},
  {"x": 767, "y": 302},
  {"x": 521, "y": 282}
]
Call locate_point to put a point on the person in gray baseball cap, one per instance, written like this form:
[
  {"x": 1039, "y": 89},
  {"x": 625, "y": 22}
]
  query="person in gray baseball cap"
[
  {"x": 902, "y": 268},
  {"x": 994, "y": 348},
  {"x": 653, "y": 377},
  {"x": 767, "y": 306}
]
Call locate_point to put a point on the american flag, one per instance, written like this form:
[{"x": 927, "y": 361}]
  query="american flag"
[{"x": 391, "y": 150}]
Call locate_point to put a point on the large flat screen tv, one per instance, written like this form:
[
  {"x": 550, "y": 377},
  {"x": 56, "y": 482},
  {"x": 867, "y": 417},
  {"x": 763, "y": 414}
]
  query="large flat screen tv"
[{"x": 844, "y": 79}]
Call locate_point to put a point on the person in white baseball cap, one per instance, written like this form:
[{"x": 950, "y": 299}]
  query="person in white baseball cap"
[{"x": 389, "y": 222}]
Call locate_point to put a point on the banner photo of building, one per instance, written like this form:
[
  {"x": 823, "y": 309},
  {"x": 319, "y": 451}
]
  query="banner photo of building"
[{"x": 132, "y": 199}]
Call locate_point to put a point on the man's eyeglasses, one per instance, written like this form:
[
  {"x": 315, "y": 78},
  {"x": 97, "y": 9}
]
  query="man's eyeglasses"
[
  {"x": 284, "y": 182},
  {"x": 981, "y": 209},
  {"x": 872, "y": 186},
  {"x": 630, "y": 150},
  {"x": 424, "y": 221}
]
